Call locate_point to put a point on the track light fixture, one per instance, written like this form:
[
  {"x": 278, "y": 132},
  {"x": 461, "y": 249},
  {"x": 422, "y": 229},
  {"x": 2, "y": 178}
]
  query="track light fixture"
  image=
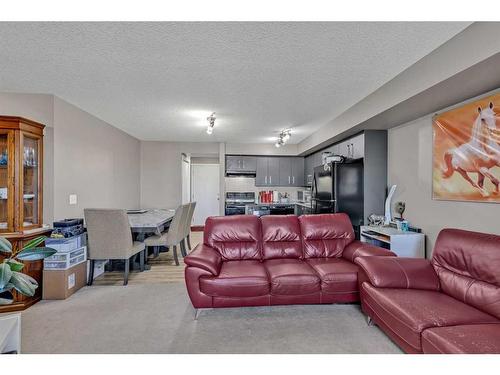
[
  {"x": 211, "y": 123},
  {"x": 284, "y": 136}
]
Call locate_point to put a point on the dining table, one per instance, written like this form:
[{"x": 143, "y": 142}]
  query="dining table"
[
  {"x": 144, "y": 223},
  {"x": 149, "y": 221}
]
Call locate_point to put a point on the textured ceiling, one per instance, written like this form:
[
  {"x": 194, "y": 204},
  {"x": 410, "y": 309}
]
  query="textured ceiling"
[{"x": 159, "y": 81}]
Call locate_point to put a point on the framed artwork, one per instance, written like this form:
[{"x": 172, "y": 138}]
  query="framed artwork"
[{"x": 466, "y": 152}]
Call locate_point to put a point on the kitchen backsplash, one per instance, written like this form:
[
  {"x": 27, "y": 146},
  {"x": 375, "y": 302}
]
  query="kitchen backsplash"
[{"x": 242, "y": 184}]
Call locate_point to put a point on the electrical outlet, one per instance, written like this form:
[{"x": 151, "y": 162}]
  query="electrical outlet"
[{"x": 72, "y": 199}]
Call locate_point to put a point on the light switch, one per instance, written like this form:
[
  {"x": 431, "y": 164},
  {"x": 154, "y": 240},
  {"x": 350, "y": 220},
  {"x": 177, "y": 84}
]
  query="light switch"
[{"x": 72, "y": 199}]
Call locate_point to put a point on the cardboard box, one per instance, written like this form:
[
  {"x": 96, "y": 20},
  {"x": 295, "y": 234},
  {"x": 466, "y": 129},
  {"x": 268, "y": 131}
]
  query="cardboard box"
[{"x": 61, "y": 284}]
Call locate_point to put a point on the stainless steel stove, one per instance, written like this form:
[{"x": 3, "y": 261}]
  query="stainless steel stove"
[{"x": 236, "y": 202}]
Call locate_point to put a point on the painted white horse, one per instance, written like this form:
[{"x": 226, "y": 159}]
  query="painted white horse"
[{"x": 478, "y": 155}]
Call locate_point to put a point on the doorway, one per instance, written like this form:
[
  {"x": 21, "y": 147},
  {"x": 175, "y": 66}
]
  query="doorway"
[{"x": 205, "y": 184}]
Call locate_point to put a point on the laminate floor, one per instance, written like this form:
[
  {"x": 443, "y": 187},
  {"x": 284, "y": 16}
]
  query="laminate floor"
[{"x": 163, "y": 269}]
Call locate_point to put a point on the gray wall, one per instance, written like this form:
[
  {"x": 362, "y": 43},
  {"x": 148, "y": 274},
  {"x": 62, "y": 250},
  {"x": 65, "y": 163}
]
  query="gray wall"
[
  {"x": 473, "y": 45},
  {"x": 410, "y": 167},
  {"x": 94, "y": 160},
  {"x": 82, "y": 155},
  {"x": 161, "y": 173}
]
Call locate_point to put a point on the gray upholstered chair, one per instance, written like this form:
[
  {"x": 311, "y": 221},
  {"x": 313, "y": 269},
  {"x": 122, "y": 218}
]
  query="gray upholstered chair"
[
  {"x": 110, "y": 237},
  {"x": 175, "y": 234},
  {"x": 189, "y": 220}
]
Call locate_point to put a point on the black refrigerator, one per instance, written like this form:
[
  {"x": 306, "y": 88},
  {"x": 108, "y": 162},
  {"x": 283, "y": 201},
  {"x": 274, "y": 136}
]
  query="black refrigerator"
[{"x": 340, "y": 189}]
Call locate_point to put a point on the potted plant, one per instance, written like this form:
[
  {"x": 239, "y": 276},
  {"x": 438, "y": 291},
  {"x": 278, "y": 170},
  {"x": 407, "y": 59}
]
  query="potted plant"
[{"x": 11, "y": 276}]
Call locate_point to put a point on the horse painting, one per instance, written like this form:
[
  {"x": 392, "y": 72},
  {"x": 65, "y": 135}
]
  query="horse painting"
[{"x": 475, "y": 158}]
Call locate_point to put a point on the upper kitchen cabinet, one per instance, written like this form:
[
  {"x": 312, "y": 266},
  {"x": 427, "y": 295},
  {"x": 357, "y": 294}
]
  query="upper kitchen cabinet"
[
  {"x": 352, "y": 148},
  {"x": 285, "y": 171},
  {"x": 291, "y": 171},
  {"x": 298, "y": 172},
  {"x": 268, "y": 171},
  {"x": 238, "y": 164}
]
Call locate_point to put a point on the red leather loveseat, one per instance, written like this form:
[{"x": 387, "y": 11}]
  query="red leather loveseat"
[
  {"x": 274, "y": 260},
  {"x": 450, "y": 304}
]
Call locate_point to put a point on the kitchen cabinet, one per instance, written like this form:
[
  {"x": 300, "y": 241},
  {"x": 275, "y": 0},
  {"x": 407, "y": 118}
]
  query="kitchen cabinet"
[
  {"x": 267, "y": 171},
  {"x": 298, "y": 172},
  {"x": 241, "y": 164},
  {"x": 291, "y": 171},
  {"x": 279, "y": 171},
  {"x": 353, "y": 148},
  {"x": 273, "y": 170},
  {"x": 285, "y": 171}
]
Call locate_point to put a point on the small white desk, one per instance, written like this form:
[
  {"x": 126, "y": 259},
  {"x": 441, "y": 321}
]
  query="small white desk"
[
  {"x": 10, "y": 333},
  {"x": 404, "y": 244}
]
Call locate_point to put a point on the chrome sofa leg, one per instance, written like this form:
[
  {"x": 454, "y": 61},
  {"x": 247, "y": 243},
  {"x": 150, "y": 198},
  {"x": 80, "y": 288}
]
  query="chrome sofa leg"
[
  {"x": 196, "y": 313},
  {"x": 369, "y": 321}
]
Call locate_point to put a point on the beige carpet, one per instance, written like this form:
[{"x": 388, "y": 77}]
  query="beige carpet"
[
  {"x": 153, "y": 314},
  {"x": 158, "y": 318}
]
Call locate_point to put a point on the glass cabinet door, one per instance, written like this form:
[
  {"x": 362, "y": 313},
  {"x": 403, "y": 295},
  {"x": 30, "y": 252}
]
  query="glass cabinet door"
[
  {"x": 6, "y": 180},
  {"x": 30, "y": 179}
]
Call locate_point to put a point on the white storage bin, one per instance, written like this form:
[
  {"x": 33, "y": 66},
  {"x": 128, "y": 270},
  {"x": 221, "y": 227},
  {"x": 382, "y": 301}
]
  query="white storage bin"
[
  {"x": 65, "y": 260},
  {"x": 67, "y": 244}
]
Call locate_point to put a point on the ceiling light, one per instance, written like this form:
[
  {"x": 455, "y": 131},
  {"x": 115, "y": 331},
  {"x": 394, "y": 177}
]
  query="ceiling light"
[
  {"x": 284, "y": 136},
  {"x": 211, "y": 123}
]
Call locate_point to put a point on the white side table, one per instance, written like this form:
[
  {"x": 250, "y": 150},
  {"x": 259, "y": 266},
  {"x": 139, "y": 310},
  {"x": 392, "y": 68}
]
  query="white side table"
[
  {"x": 404, "y": 244},
  {"x": 10, "y": 333}
]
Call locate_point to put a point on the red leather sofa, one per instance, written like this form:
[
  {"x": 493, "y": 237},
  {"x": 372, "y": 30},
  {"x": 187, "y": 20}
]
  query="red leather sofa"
[
  {"x": 450, "y": 304},
  {"x": 275, "y": 260}
]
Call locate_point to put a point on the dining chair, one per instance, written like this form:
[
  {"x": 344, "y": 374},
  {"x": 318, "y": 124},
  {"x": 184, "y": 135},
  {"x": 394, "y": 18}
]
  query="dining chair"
[
  {"x": 175, "y": 234},
  {"x": 110, "y": 238},
  {"x": 189, "y": 220}
]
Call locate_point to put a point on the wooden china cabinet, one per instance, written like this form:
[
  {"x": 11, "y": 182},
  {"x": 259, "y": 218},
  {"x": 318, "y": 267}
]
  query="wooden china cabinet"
[{"x": 21, "y": 198}]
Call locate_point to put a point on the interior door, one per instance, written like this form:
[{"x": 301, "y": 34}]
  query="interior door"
[{"x": 205, "y": 191}]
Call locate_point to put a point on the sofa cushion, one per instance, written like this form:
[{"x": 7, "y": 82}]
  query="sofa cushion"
[
  {"x": 281, "y": 237},
  {"x": 464, "y": 339},
  {"x": 467, "y": 265},
  {"x": 337, "y": 275},
  {"x": 325, "y": 235},
  {"x": 407, "y": 312},
  {"x": 239, "y": 278},
  {"x": 235, "y": 237},
  {"x": 291, "y": 277}
]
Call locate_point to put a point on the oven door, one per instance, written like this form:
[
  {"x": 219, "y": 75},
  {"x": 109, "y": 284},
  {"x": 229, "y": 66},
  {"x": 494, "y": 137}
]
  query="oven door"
[{"x": 234, "y": 209}]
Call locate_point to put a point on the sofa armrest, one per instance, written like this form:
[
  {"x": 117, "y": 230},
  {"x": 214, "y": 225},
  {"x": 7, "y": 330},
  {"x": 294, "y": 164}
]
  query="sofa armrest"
[
  {"x": 393, "y": 272},
  {"x": 206, "y": 258},
  {"x": 362, "y": 249}
]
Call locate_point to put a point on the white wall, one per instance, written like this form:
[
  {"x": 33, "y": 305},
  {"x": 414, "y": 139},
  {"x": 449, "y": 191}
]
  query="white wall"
[
  {"x": 410, "y": 167},
  {"x": 161, "y": 170}
]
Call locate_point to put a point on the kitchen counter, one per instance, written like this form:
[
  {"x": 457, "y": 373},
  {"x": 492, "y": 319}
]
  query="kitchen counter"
[
  {"x": 304, "y": 204},
  {"x": 299, "y": 208}
]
